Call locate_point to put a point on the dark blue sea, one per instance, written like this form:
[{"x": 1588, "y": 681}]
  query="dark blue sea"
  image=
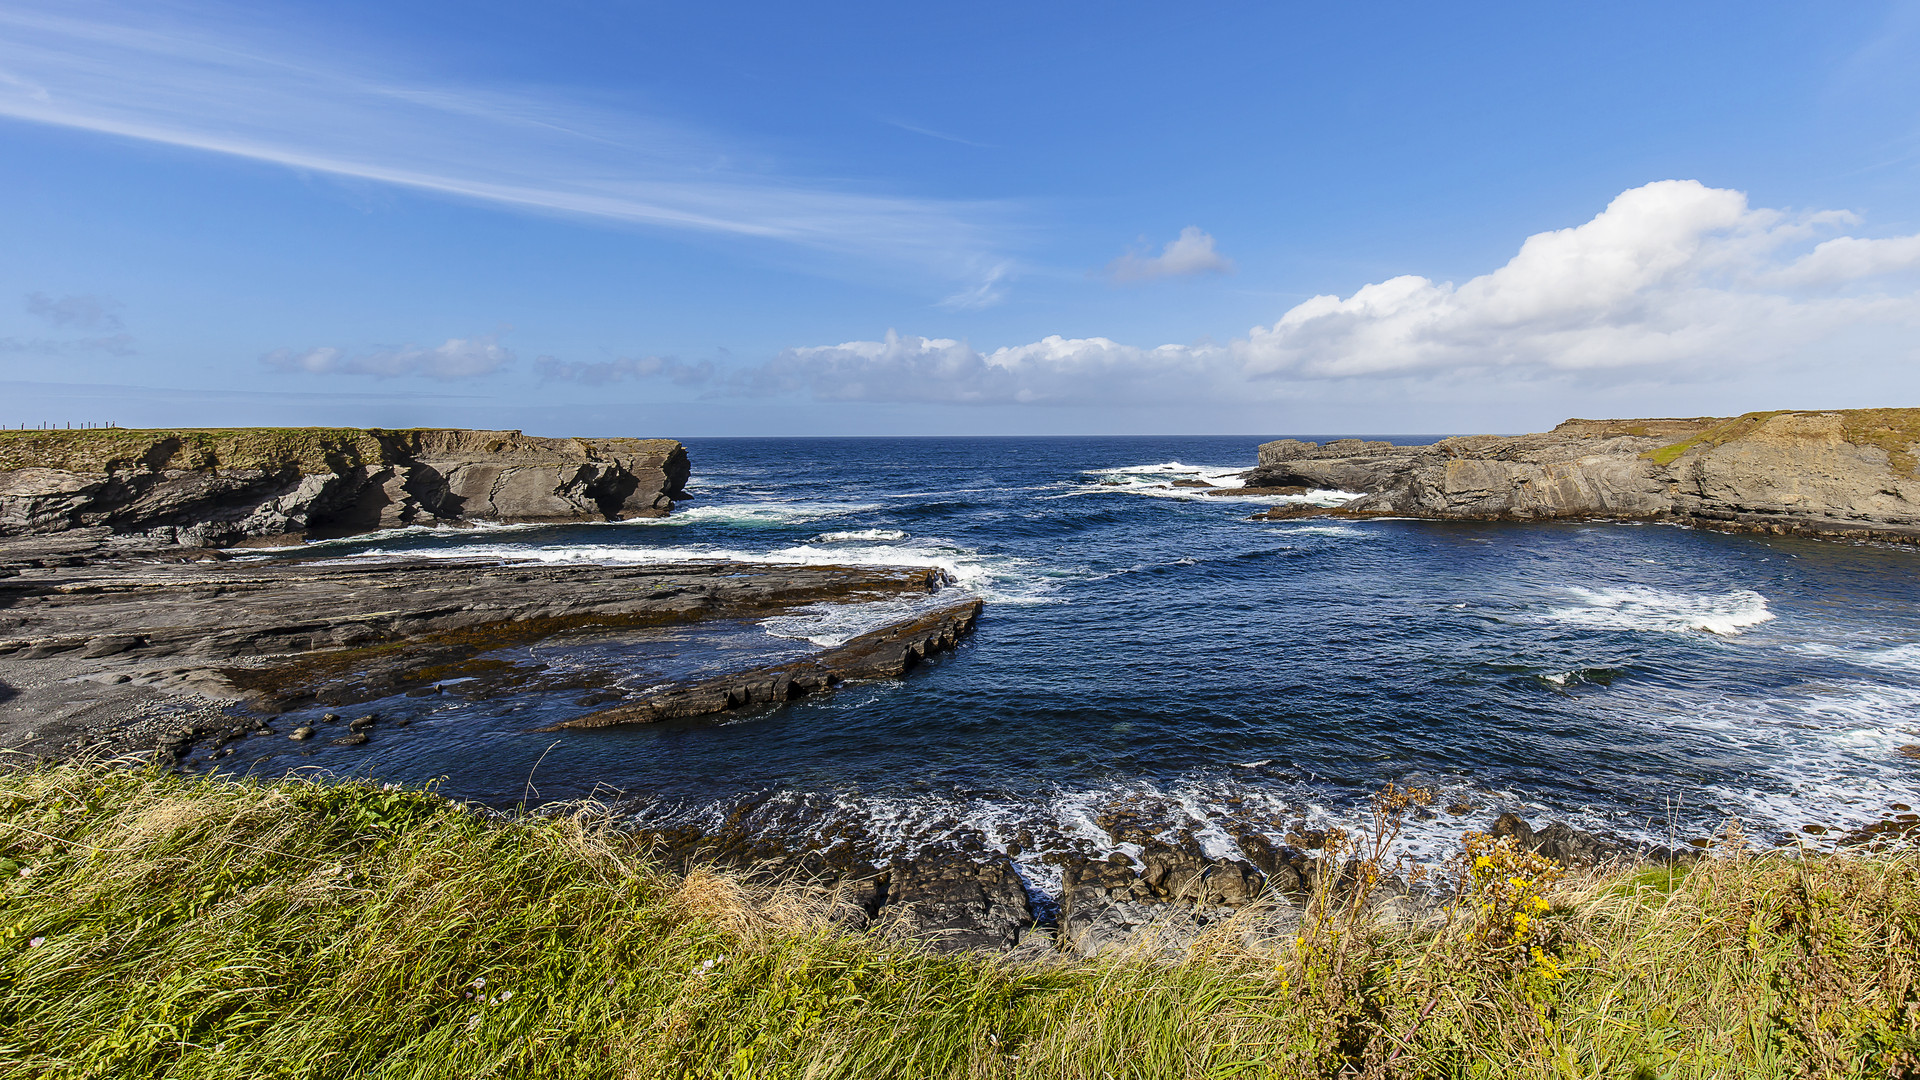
[{"x": 1146, "y": 645}]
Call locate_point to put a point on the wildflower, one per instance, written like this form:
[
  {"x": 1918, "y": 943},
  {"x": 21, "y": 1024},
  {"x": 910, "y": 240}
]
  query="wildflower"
[
  {"x": 34, "y": 943},
  {"x": 478, "y": 984},
  {"x": 26, "y": 871}
]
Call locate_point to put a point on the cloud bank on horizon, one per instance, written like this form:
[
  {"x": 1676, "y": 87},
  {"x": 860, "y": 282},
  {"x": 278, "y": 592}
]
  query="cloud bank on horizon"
[{"x": 1670, "y": 273}]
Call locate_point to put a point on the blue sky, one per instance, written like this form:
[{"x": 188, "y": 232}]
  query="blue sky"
[{"x": 733, "y": 219}]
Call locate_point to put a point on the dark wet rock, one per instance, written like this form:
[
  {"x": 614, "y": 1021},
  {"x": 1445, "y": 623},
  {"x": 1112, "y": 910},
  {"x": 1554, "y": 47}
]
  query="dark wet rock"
[
  {"x": 957, "y": 901},
  {"x": 361, "y": 723},
  {"x": 1567, "y": 845},
  {"x": 85, "y": 644},
  {"x": 1278, "y": 864},
  {"x": 1183, "y": 873},
  {"x": 216, "y": 488},
  {"x": 879, "y": 654},
  {"x": 358, "y": 738},
  {"x": 1514, "y": 827}
]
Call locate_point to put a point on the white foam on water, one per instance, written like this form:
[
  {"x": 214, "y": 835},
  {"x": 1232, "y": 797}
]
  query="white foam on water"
[
  {"x": 861, "y": 534},
  {"x": 1158, "y": 481},
  {"x": 828, "y": 625},
  {"x": 1902, "y": 658},
  {"x": 771, "y": 513},
  {"x": 1638, "y": 607},
  {"x": 1307, "y": 529},
  {"x": 1003, "y": 579}
]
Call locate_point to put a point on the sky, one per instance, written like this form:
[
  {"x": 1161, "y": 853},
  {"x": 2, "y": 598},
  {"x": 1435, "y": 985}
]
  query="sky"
[{"x": 954, "y": 219}]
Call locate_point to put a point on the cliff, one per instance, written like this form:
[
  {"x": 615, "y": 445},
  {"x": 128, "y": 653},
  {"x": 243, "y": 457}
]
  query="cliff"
[
  {"x": 221, "y": 487},
  {"x": 1846, "y": 473}
]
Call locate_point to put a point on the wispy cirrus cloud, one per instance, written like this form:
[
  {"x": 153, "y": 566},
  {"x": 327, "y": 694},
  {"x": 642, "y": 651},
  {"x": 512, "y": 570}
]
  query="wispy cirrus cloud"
[
  {"x": 184, "y": 76},
  {"x": 452, "y": 360},
  {"x": 1674, "y": 281}
]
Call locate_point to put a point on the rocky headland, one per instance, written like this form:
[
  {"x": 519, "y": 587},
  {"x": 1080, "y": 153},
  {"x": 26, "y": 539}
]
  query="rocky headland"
[
  {"x": 228, "y": 486},
  {"x": 128, "y": 626},
  {"x": 1844, "y": 474}
]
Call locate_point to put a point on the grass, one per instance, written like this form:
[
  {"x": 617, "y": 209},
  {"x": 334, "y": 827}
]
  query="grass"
[
  {"x": 1896, "y": 431},
  {"x": 155, "y": 926},
  {"x": 100, "y": 450}
]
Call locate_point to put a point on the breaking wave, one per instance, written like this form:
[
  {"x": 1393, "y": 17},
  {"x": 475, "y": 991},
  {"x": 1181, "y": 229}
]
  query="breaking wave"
[{"x": 1638, "y": 607}]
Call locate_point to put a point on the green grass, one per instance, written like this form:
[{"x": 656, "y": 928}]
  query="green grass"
[
  {"x": 169, "y": 927},
  {"x": 100, "y": 450},
  {"x": 1895, "y": 431}
]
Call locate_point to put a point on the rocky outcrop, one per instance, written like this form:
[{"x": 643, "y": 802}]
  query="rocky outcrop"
[
  {"x": 87, "y": 637},
  {"x": 1847, "y": 473},
  {"x": 885, "y": 653},
  {"x": 218, "y": 488}
]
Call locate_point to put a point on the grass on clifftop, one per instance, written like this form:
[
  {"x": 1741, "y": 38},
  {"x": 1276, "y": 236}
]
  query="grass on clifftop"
[
  {"x": 99, "y": 450},
  {"x": 152, "y": 926},
  {"x": 1895, "y": 431}
]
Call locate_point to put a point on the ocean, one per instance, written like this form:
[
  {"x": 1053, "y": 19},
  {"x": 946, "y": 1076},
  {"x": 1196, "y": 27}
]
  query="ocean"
[{"x": 1146, "y": 648}]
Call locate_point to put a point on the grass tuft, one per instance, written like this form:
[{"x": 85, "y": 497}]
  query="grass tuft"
[{"x": 158, "y": 926}]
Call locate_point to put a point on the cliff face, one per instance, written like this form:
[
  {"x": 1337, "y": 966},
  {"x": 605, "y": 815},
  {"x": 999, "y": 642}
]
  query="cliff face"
[
  {"x": 1844, "y": 473},
  {"x": 217, "y": 488}
]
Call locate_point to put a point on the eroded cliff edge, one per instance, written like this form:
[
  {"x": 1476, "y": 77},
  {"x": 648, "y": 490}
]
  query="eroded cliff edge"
[
  {"x": 1847, "y": 474},
  {"x": 222, "y": 487}
]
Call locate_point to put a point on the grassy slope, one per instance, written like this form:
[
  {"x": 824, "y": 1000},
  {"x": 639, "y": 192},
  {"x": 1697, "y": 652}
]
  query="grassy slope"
[
  {"x": 187, "y": 928},
  {"x": 99, "y": 450},
  {"x": 1894, "y": 430}
]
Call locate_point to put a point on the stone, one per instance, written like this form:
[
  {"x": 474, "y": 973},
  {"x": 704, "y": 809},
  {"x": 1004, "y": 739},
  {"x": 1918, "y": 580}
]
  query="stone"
[
  {"x": 358, "y": 738},
  {"x": 216, "y": 488},
  {"x": 361, "y": 723},
  {"x": 955, "y": 901},
  {"x": 1843, "y": 474},
  {"x": 301, "y": 733},
  {"x": 272, "y": 644}
]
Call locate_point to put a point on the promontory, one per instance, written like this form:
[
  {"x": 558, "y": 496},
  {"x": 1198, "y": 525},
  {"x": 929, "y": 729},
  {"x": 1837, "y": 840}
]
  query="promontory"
[{"x": 1844, "y": 474}]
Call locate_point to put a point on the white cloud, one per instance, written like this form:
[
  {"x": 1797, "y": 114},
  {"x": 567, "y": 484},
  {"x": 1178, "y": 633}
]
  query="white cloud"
[
  {"x": 1673, "y": 272},
  {"x": 602, "y": 372},
  {"x": 1674, "y": 281},
  {"x": 1188, "y": 254},
  {"x": 457, "y": 358},
  {"x": 1053, "y": 370},
  {"x": 229, "y": 82}
]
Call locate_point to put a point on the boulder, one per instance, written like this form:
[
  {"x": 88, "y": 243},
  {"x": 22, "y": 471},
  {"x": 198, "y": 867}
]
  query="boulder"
[{"x": 957, "y": 901}]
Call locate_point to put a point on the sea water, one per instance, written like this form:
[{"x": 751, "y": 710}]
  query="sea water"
[{"x": 1146, "y": 644}]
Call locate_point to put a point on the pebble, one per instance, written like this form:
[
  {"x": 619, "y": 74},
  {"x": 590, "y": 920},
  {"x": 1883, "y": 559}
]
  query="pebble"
[
  {"x": 360, "y": 723},
  {"x": 355, "y": 739},
  {"x": 301, "y": 733}
]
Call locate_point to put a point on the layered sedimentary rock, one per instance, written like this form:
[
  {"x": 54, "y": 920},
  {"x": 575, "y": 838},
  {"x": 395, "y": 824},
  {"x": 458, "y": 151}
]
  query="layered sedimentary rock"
[
  {"x": 87, "y": 636},
  {"x": 218, "y": 488},
  {"x": 885, "y": 653},
  {"x": 1848, "y": 473}
]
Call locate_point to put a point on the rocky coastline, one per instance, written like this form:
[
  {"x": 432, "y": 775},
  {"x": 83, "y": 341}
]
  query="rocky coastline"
[
  {"x": 1843, "y": 474},
  {"x": 216, "y": 488},
  {"x": 136, "y": 625}
]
